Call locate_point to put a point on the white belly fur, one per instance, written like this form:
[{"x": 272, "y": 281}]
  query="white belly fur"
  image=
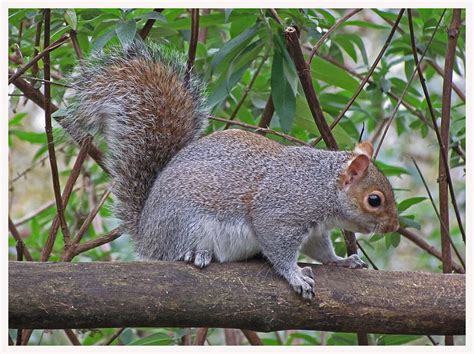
[{"x": 229, "y": 240}]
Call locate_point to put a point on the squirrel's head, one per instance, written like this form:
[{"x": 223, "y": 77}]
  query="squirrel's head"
[{"x": 367, "y": 196}]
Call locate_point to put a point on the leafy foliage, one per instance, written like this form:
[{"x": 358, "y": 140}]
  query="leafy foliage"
[{"x": 244, "y": 60}]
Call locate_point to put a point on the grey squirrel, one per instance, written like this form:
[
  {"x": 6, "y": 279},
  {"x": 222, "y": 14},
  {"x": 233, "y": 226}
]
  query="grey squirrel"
[{"x": 229, "y": 195}]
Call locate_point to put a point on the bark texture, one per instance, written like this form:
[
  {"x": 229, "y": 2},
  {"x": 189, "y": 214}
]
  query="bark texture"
[{"x": 246, "y": 295}]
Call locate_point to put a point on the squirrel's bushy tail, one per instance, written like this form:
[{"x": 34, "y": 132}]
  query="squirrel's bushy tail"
[{"x": 146, "y": 106}]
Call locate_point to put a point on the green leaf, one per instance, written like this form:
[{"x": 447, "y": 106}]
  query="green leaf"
[
  {"x": 126, "y": 32},
  {"x": 331, "y": 74},
  {"x": 408, "y": 221},
  {"x": 395, "y": 339},
  {"x": 307, "y": 338},
  {"x": 153, "y": 15},
  {"x": 233, "y": 45},
  {"x": 347, "y": 45},
  {"x": 282, "y": 94},
  {"x": 365, "y": 24},
  {"x": 35, "y": 138},
  {"x": 100, "y": 42},
  {"x": 390, "y": 170},
  {"x": 155, "y": 339},
  {"x": 71, "y": 18},
  {"x": 404, "y": 205},
  {"x": 17, "y": 119}
]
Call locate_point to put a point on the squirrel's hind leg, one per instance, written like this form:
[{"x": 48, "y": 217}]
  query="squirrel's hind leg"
[{"x": 200, "y": 258}]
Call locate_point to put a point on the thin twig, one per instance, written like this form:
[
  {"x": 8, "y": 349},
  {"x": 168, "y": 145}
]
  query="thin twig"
[
  {"x": 443, "y": 147},
  {"x": 75, "y": 44},
  {"x": 410, "y": 108},
  {"x": 294, "y": 49},
  {"x": 201, "y": 336},
  {"x": 148, "y": 25},
  {"x": 115, "y": 336},
  {"x": 259, "y": 129},
  {"x": 35, "y": 69},
  {"x": 367, "y": 76},
  {"x": 246, "y": 91},
  {"x": 37, "y": 97},
  {"x": 252, "y": 337},
  {"x": 34, "y": 213},
  {"x": 72, "y": 336},
  {"x": 395, "y": 109},
  {"x": 367, "y": 256},
  {"x": 433, "y": 64},
  {"x": 441, "y": 221},
  {"x": 75, "y": 172},
  {"x": 326, "y": 35},
  {"x": 453, "y": 33},
  {"x": 267, "y": 114},
  {"x": 40, "y": 55},
  {"x": 304, "y": 73},
  {"x": 86, "y": 246},
  {"x": 420, "y": 242},
  {"x": 17, "y": 237},
  {"x": 49, "y": 131},
  {"x": 194, "y": 38},
  {"x": 85, "y": 225},
  {"x": 277, "y": 18}
]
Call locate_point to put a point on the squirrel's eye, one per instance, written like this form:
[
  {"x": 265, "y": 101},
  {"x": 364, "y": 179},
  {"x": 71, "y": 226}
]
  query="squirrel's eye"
[{"x": 374, "y": 200}]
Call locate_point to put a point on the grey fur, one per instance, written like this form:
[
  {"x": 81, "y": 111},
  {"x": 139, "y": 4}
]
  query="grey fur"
[{"x": 224, "y": 197}]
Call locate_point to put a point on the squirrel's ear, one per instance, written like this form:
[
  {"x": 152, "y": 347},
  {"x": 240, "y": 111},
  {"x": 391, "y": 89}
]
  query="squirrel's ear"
[
  {"x": 364, "y": 148},
  {"x": 355, "y": 171}
]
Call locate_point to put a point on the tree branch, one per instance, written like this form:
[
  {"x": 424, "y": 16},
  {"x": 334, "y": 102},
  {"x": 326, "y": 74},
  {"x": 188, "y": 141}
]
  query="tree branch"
[{"x": 246, "y": 295}]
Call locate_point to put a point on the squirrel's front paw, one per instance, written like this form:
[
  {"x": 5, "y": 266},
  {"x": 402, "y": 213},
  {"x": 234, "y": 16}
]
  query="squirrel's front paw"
[
  {"x": 302, "y": 282},
  {"x": 352, "y": 261}
]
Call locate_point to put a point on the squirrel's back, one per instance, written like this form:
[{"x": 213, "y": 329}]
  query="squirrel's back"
[{"x": 146, "y": 105}]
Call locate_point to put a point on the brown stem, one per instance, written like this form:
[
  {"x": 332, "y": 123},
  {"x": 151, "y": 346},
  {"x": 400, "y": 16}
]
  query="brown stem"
[
  {"x": 35, "y": 69},
  {"x": 443, "y": 225},
  {"x": 17, "y": 237},
  {"x": 453, "y": 33},
  {"x": 148, "y": 26},
  {"x": 252, "y": 337},
  {"x": 267, "y": 114},
  {"x": 75, "y": 44},
  {"x": 69, "y": 252},
  {"x": 304, "y": 73},
  {"x": 275, "y": 15},
  {"x": 37, "y": 97},
  {"x": 362, "y": 338},
  {"x": 40, "y": 55},
  {"x": 395, "y": 109},
  {"x": 367, "y": 76},
  {"x": 72, "y": 337},
  {"x": 443, "y": 147},
  {"x": 370, "y": 72},
  {"x": 433, "y": 64},
  {"x": 326, "y": 35},
  {"x": 201, "y": 336},
  {"x": 420, "y": 242},
  {"x": 246, "y": 92},
  {"x": 49, "y": 131},
  {"x": 294, "y": 49},
  {"x": 259, "y": 129},
  {"x": 75, "y": 172},
  {"x": 86, "y": 246},
  {"x": 410, "y": 108},
  {"x": 115, "y": 336},
  {"x": 194, "y": 38}
]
